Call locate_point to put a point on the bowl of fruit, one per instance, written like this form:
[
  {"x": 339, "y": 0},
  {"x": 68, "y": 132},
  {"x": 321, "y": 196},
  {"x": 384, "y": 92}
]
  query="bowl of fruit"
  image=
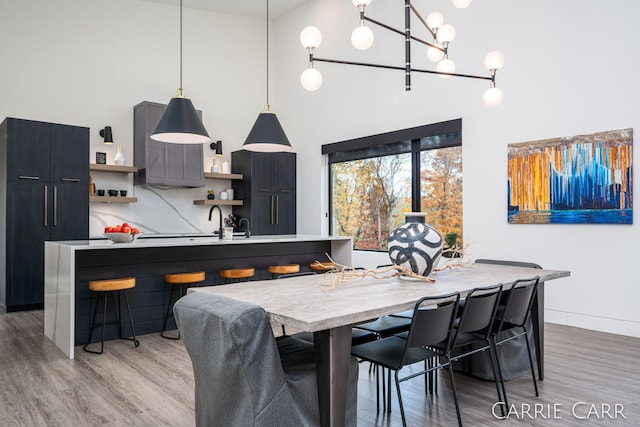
[{"x": 123, "y": 233}]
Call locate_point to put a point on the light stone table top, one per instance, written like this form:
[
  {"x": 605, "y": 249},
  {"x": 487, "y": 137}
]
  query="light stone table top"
[{"x": 309, "y": 303}]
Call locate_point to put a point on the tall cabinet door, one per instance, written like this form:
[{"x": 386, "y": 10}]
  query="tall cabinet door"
[
  {"x": 69, "y": 154},
  {"x": 28, "y": 212},
  {"x": 29, "y": 150},
  {"x": 69, "y": 213},
  {"x": 285, "y": 194}
]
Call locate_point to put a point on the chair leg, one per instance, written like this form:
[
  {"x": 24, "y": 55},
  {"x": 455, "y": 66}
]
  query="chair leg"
[
  {"x": 533, "y": 374},
  {"x": 166, "y": 318},
  {"x": 404, "y": 421},
  {"x": 504, "y": 390},
  {"x": 496, "y": 379},
  {"x": 453, "y": 390},
  {"x": 389, "y": 387},
  {"x": 376, "y": 368},
  {"x": 136, "y": 343},
  {"x": 93, "y": 322}
]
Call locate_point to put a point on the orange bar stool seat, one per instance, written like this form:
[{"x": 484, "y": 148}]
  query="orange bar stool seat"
[
  {"x": 237, "y": 274},
  {"x": 183, "y": 281},
  {"x": 277, "y": 270},
  {"x": 322, "y": 266},
  {"x": 102, "y": 288}
]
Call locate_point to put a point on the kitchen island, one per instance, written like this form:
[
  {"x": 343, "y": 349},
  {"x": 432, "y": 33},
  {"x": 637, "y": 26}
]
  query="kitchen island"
[{"x": 70, "y": 265}]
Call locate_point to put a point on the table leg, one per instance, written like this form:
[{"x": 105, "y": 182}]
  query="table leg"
[
  {"x": 537, "y": 319},
  {"x": 333, "y": 350}
]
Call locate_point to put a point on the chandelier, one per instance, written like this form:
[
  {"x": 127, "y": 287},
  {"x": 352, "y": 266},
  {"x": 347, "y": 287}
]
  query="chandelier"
[{"x": 436, "y": 51}]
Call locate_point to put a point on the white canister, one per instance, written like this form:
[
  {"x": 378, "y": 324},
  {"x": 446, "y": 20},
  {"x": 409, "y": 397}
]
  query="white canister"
[
  {"x": 227, "y": 233},
  {"x": 223, "y": 195},
  {"x": 229, "y": 192},
  {"x": 226, "y": 167}
]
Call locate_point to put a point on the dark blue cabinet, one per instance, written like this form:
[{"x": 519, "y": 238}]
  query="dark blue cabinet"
[{"x": 44, "y": 193}]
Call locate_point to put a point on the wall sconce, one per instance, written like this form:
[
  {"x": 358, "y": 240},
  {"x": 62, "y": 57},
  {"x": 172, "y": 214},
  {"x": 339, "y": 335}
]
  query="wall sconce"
[
  {"x": 217, "y": 147},
  {"x": 107, "y": 135}
]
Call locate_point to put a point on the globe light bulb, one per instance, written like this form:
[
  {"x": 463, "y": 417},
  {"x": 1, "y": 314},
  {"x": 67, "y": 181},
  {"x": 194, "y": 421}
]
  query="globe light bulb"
[
  {"x": 310, "y": 37},
  {"x": 362, "y": 37},
  {"x": 311, "y": 79},
  {"x": 446, "y": 33},
  {"x": 446, "y": 66},
  {"x": 435, "y": 20},
  {"x": 434, "y": 55},
  {"x": 357, "y": 3},
  {"x": 494, "y": 60},
  {"x": 461, "y": 4},
  {"x": 493, "y": 97}
]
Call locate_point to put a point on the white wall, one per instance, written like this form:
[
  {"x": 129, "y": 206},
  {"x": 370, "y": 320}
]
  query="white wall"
[
  {"x": 570, "y": 69},
  {"x": 88, "y": 62}
]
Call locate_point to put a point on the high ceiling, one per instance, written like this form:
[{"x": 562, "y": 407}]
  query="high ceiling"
[{"x": 254, "y": 8}]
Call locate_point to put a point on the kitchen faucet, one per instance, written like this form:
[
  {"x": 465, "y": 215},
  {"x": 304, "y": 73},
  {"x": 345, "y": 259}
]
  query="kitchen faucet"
[
  {"x": 247, "y": 233},
  {"x": 220, "y": 211}
]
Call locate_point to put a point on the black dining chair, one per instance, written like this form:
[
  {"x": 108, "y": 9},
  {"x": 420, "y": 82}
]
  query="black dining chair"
[
  {"x": 511, "y": 323},
  {"x": 512, "y": 354},
  {"x": 432, "y": 324},
  {"x": 473, "y": 331}
]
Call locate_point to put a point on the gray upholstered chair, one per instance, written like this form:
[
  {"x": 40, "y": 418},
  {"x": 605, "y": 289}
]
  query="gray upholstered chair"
[{"x": 243, "y": 375}]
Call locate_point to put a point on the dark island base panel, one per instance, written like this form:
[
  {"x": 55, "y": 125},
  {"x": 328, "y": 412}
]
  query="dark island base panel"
[{"x": 149, "y": 299}]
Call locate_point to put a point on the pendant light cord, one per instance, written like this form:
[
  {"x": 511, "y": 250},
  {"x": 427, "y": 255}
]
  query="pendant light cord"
[
  {"x": 267, "y": 52},
  {"x": 181, "y": 48}
]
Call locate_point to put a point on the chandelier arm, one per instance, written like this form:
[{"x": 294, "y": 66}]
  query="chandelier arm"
[
  {"x": 402, "y": 33},
  {"x": 361, "y": 64},
  {"x": 424, "y": 22},
  {"x": 395, "y": 67},
  {"x": 426, "y": 43},
  {"x": 470, "y": 76},
  {"x": 383, "y": 25}
]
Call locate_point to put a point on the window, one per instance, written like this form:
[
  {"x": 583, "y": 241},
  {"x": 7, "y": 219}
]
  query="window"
[{"x": 375, "y": 180}]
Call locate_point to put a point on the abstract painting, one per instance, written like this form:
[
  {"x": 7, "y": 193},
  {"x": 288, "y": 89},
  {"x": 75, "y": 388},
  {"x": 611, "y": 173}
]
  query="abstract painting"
[{"x": 581, "y": 179}]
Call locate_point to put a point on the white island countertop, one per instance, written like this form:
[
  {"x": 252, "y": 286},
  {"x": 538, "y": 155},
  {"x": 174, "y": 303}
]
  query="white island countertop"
[{"x": 170, "y": 240}]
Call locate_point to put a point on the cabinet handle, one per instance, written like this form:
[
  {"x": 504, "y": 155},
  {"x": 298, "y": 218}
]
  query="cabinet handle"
[
  {"x": 271, "y": 210},
  {"x": 263, "y": 189},
  {"x": 55, "y": 205},
  {"x": 35, "y": 178},
  {"x": 70, "y": 179},
  {"x": 284, "y": 191},
  {"x": 277, "y": 210},
  {"x": 46, "y": 207}
]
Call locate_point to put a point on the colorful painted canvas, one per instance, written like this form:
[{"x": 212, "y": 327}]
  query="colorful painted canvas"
[{"x": 574, "y": 180}]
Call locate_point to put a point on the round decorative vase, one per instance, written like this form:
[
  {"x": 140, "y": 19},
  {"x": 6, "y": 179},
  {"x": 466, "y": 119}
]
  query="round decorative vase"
[{"x": 415, "y": 245}]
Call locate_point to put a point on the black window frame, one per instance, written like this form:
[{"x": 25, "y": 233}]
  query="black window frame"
[{"x": 411, "y": 140}]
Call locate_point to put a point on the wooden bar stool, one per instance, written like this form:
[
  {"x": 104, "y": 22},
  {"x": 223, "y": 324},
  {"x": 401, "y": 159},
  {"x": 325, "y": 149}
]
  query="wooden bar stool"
[
  {"x": 237, "y": 274},
  {"x": 183, "y": 280},
  {"x": 322, "y": 266},
  {"x": 104, "y": 288},
  {"x": 277, "y": 270}
]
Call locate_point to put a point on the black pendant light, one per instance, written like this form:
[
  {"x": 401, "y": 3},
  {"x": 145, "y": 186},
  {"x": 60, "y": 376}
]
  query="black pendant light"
[
  {"x": 267, "y": 134},
  {"x": 180, "y": 123}
]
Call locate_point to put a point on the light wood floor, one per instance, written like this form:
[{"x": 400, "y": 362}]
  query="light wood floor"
[{"x": 153, "y": 384}]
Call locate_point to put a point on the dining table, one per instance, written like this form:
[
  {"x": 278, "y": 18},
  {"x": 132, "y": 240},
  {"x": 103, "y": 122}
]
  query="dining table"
[{"x": 329, "y": 304}]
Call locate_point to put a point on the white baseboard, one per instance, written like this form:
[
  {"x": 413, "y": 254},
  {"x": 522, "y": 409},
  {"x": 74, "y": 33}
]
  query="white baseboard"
[{"x": 595, "y": 323}]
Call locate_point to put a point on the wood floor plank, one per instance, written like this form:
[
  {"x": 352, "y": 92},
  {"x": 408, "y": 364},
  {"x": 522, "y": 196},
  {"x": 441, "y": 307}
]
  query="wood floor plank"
[{"x": 152, "y": 385}]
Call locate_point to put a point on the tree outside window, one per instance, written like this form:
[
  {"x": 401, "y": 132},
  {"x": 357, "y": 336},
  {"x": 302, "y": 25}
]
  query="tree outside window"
[{"x": 371, "y": 196}]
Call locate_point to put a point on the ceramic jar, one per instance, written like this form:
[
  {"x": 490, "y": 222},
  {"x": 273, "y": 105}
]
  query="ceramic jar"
[
  {"x": 415, "y": 245},
  {"x": 119, "y": 158}
]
